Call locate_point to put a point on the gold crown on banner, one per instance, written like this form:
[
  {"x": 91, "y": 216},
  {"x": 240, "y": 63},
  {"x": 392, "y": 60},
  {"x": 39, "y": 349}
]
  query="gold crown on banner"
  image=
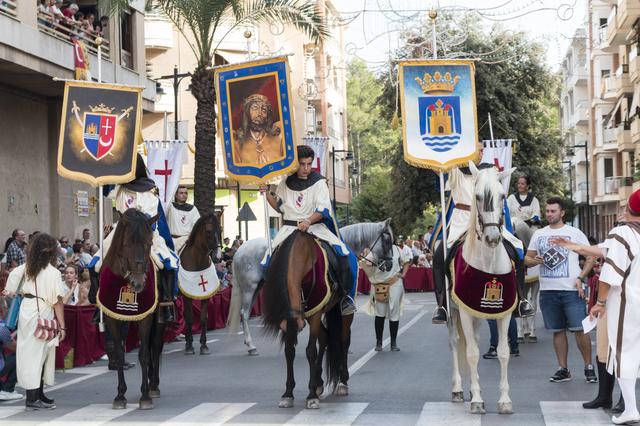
[
  {"x": 101, "y": 108},
  {"x": 437, "y": 83}
]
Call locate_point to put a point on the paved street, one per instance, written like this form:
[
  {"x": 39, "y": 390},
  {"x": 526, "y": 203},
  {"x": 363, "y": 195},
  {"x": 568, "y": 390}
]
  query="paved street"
[{"x": 400, "y": 388}]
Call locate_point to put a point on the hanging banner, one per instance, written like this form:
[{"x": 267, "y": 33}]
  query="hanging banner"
[
  {"x": 80, "y": 60},
  {"x": 438, "y": 103},
  {"x": 99, "y": 132},
  {"x": 319, "y": 146},
  {"x": 164, "y": 162},
  {"x": 256, "y": 119},
  {"x": 498, "y": 152}
]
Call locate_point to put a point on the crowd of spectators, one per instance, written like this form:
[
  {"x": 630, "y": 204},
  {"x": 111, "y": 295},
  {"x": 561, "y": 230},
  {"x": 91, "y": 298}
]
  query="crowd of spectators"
[{"x": 70, "y": 20}]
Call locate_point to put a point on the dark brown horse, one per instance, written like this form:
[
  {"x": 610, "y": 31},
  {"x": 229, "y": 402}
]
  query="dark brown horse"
[
  {"x": 284, "y": 309},
  {"x": 128, "y": 259},
  {"x": 196, "y": 256}
]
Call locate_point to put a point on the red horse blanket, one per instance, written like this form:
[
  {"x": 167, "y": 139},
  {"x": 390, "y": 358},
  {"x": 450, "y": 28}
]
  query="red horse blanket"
[
  {"x": 316, "y": 288},
  {"x": 117, "y": 299},
  {"x": 480, "y": 293}
]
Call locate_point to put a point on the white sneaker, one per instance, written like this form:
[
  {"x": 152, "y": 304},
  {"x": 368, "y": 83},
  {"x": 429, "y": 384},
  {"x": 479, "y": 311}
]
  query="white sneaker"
[
  {"x": 104, "y": 358},
  {"x": 10, "y": 396}
]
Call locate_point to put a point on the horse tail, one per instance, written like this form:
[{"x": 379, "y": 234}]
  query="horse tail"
[
  {"x": 333, "y": 363},
  {"x": 233, "y": 319},
  {"x": 276, "y": 305}
]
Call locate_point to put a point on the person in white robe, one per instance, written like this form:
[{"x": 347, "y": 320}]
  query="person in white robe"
[
  {"x": 181, "y": 217},
  {"x": 387, "y": 285},
  {"x": 35, "y": 358},
  {"x": 524, "y": 206}
]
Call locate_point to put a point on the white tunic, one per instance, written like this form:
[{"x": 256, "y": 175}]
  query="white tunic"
[
  {"x": 299, "y": 205},
  {"x": 621, "y": 273},
  {"x": 393, "y": 308},
  {"x": 522, "y": 213},
  {"x": 31, "y": 353},
  {"x": 180, "y": 224}
]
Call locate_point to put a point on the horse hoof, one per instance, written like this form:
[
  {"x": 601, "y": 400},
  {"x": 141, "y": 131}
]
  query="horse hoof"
[
  {"x": 320, "y": 390},
  {"x": 505, "y": 408},
  {"x": 313, "y": 403},
  {"x": 146, "y": 404},
  {"x": 204, "y": 350},
  {"x": 189, "y": 350},
  {"x": 253, "y": 352},
  {"x": 119, "y": 404},
  {"x": 285, "y": 402},
  {"x": 477, "y": 408},
  {"x": 457, "y": 396},
  {"x": 154, "y": 393},
  {"x": 341, "y": 390}
]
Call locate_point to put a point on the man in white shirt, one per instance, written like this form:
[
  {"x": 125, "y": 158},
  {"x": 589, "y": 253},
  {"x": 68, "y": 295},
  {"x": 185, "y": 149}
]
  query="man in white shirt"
[
  {"x": 407, "y": 253},
  {"x": 561, "y": 294},
  {"x": 181, "y": 217}
]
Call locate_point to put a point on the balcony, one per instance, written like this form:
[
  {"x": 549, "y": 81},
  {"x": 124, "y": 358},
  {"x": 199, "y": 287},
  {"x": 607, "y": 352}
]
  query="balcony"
[
  {"x": 634, "y": 63},
  {"x": 620, "y": 185},
  {"x": 9, "y": 8},
  {"x": 581, "y": 113},
  {"x": 608, "y": 88},
  {"x": 48, "y": 24},
  {"x": 609, "y": 136},
  {"x": 158, "y": 32},
  {"x": 620, "y": 21},
  {"x": 600, "y": 42},
  {"x": 623, "y": 138},
  {"x": 622, "y": 82},
  {"x": 580, "y": 194},
  {"x": 635, "y": 130}
]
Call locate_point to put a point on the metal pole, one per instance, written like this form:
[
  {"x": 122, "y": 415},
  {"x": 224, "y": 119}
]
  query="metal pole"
[
  {"x": 586, "y": 157},
  {"x": 490, "y": 126},
  {"x": 239, "y": 222},
  {"x": 175, "y": 101},
  {"x": 100, "y": 199},
  {"x": 333, "y": 176},
  {"x": 266, "y": 221}
]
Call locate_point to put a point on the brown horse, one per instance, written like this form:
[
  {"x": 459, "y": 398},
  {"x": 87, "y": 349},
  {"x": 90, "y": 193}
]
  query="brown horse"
[
  {"x": 196, "y": 256},
  {"x": 285, "y": 309},
  {"x": 128, "y": 260}
]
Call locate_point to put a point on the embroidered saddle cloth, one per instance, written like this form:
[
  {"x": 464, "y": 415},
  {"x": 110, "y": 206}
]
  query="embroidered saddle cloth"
[
  {"x": 117, "y": 299},
  {"x": 480, "y": 293},
  {"x": 199, "y": 284}
]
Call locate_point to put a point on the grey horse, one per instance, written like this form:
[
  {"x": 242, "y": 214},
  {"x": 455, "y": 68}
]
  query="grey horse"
[{"x": 248, "y": 274}]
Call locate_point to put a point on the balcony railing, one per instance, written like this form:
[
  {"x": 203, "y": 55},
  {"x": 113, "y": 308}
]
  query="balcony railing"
[
  {"x": 602, "y": 35},
  {"x": 9, "y": 8},
  {"x": 613, "y": 184},
  {"x": 65, "y": 30}
]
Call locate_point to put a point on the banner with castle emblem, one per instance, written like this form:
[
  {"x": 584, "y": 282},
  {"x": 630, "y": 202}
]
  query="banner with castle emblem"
[
  {"x": 439, "y": 122},
  {"x": 256, "y": 119},
  {"x": 99, "y": 132}
]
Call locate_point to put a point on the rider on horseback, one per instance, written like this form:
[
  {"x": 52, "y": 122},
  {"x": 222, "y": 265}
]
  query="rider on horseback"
[
  {"x": 460, "y": 183},
  {"x": 524, "y": 206},
  {"x": 304, "y": 202}
]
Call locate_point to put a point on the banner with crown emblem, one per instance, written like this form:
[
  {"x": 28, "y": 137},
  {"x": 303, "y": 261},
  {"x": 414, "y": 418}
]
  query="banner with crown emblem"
[
  {"x": 438, "y": 103},
  {"x": 99, "y": 132}
]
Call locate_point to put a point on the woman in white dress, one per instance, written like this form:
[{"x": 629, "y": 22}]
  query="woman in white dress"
[{"x": 36, "y": 358}]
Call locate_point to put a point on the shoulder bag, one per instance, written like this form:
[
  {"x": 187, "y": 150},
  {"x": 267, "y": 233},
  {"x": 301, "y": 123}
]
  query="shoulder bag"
[{"x": 45, "y": 329}]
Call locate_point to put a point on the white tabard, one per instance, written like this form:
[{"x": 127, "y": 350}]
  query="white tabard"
[
  {"x": 522, "y": 213},
  {"x": 393, "y": 308},
  {"x": 299, "y": 205},
  {"x": 181, "y": 220},
  {"x": 623, "y": 314},
  {"x": 199, "y": 284}
]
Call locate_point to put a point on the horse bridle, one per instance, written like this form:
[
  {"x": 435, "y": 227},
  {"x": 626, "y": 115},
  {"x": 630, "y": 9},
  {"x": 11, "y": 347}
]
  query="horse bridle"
[
  {"x": 483, "y": 225},
  {"x": 381, "y": 260}
]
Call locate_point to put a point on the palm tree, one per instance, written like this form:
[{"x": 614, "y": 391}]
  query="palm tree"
[{"x": 202, "y": 21}]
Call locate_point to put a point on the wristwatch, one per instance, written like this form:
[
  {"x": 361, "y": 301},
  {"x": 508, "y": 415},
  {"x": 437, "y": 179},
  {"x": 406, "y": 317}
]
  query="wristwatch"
[{"x": 601, "y": 302}]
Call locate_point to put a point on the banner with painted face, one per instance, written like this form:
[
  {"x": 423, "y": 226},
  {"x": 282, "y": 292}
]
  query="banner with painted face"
[
  {"x": 99, "y": 132},
  {"x": 256, "y": 119},
  {"x": 438, "y": 103}
]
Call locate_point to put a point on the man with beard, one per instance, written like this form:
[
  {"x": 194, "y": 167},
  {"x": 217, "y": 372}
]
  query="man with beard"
[{"x": 259, "y": 139}]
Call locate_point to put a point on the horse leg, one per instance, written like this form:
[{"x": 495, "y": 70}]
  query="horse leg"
[
  {"x": 204, "y": 312},
  {"x": 113, "y": 326},
  {"x": 504, "y": 403},
  {"x": 455, "y": 346},
  {"x": 473, "y": 354},
  {"x": 188, "y": 327},
  {"x": 144, "y": 356},
  {"x": 245, "y": 313},
  {"x": 343, "y": 387},
  {"x": 313, "y": 401},
  {"x": 157, "y": 345},
  {"x": 286, "y": 401},
  {"x": 322, "y": 345}
]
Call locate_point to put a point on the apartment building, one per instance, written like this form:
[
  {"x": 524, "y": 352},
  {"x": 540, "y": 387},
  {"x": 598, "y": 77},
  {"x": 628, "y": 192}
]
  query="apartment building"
[{"x": 33, "y": 51}]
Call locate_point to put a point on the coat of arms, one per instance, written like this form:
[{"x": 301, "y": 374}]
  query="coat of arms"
[
  {"x": 99, "y": 129},
  {"x": 440, "y": 124}
]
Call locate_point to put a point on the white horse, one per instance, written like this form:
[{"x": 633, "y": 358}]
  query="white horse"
[
  {"x": 248, "y": 274},
  {"x": 483, "y": 250}
]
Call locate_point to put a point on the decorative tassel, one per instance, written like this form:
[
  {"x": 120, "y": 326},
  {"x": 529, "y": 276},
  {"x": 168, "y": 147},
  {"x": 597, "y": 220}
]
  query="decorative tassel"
[{"x": 395, "y": 121}]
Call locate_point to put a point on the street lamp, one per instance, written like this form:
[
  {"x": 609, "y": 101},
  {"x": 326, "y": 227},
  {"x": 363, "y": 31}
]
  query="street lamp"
[
  {"x": 570, "y": 177},
  {"x": 177, "y": 78},
  {"x": 570, "y": 152},
  {"x": 348, "y": 157}
]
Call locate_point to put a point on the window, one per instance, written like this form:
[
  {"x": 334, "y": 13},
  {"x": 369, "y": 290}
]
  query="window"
[
  {"x": 608, "y": 167},
  {"x": 126, "y": 40}
]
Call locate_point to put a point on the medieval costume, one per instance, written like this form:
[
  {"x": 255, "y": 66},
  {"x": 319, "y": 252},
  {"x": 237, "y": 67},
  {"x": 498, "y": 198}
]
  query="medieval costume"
[
  {"x": 181, "y": 217},
  {"x": 387, "y": 298},
  {"x": 523, "y": 209}
]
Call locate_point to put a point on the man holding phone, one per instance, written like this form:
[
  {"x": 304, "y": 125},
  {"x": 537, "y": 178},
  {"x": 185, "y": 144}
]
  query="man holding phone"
[{"x": 561, "y": 292}]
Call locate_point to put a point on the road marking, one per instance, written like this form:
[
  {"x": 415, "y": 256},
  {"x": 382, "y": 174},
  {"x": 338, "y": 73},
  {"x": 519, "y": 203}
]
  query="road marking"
[
  {"x": 180, "y": 350},
  {"x": 565, "y": 413},
  {"x": 87, "y": 373},
  {"x": 336, "y": 414},
  {"x": 209, "y": 414},
  {"x": 447, "y": 413},
  {"x": 366, "y": 357},
  {"x": 91, "y": 415},
  {"x": 10, "y": 411}
]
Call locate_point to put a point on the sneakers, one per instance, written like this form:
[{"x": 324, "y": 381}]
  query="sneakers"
[
  {"x": 590, "y": 374},
  {"x": 10, "y": 396},
  {"x": 347, "y": 305},
  {"x": 562, "y": 375},
  {"x": 514, "y": 352},
  {"x": 491, "y": 353}
]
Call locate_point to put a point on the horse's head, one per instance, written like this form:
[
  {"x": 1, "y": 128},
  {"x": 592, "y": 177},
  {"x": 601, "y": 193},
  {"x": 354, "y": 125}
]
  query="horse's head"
[
  {"x": 128, "y": 255},
  {"x": 488, "y": 203},
  {"x": 206, "y": 233},
  {"x": 382, "y": 246}
]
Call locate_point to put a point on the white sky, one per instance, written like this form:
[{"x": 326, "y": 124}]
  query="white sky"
[{"x": 378, "y": 23}]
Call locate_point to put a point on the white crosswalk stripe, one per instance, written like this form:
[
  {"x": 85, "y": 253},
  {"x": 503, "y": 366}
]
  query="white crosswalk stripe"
[
  {"x": 10, "y": 411},
  {"x": 208, "y": 414},
  {"x": 91, "y": 415},
  {"x": 447, "y": 413},
  {"x": 330, "y": 414},
  {"x": 567, "y": 413}
]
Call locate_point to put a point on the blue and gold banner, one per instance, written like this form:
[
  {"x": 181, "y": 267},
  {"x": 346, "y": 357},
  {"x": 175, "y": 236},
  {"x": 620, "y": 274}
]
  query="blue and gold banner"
[
  {"x": 439, "y": 121},
  {"x": 99, "y": 132},
  {"x": 256, "y": 119}
]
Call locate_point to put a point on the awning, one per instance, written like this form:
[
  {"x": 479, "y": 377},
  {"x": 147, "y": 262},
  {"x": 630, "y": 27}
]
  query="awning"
[
  {"x": 635, "y": 103},
  {"x": 609, "y": 118}
]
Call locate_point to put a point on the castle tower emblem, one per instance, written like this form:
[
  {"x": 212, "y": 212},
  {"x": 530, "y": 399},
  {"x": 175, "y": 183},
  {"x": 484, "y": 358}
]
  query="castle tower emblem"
[{"x": 492, "y": 297}]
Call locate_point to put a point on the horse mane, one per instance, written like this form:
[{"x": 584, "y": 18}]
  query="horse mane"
[
  {"x": 199, "y": 228},
  {"x": 133, "y": 224},
  {"x": 276, "y": 305},
  {"x": 358, "y": 235}
]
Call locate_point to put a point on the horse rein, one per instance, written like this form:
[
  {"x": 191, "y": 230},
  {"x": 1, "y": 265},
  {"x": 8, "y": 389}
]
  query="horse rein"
[
  {"x": 483, "y": 225},
  {"x": 381, "y": 262}
]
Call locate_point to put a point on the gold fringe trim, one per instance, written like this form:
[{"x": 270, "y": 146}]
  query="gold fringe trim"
[
  {"x": 328, "y": 295},
  {"x": 138, "y": 317}
]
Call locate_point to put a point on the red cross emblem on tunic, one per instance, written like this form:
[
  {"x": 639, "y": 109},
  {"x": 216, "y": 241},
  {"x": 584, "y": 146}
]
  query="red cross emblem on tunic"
[
  {"x": 203, "y": 283},
  {"x": 166, "y": 172}
]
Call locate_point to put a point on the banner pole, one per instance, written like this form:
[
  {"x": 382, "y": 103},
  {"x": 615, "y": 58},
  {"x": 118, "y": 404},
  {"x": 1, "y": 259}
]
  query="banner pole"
[
  {"x": 100, "y": 197},
  {"x": 266, "y": 221},
  {"x": 490, "y": 126}
]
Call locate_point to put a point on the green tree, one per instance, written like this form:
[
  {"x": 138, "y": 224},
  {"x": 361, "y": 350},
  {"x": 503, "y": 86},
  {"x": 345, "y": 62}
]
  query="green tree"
[{"x": 204, "y": 24}]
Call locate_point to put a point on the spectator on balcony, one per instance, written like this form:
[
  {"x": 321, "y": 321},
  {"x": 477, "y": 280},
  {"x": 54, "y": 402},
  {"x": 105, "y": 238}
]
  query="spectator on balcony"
[
  {"x": 70, "y": 12},
  {"x": 102, "y": 27},
  {"x": 91, "y": 20},
  {"x": 55, "y": 11}
]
